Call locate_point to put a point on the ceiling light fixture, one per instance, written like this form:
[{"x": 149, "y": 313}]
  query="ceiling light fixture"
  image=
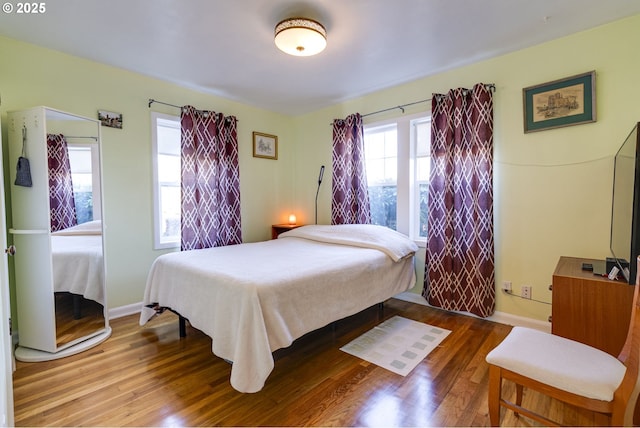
[{"x": 300, "y": 37}]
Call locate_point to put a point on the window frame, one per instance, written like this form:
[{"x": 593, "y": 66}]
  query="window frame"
[
  {"x": 414, "y": 218},
  {"x": 158, "y": 242},
  {"x": 96, "y": 184},
  {"x": 378, "y": 128},
  {"x": 407, "y": 212}
]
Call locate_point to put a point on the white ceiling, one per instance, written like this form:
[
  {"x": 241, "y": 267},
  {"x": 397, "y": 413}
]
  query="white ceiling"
[{"x": 226, "y": 48}]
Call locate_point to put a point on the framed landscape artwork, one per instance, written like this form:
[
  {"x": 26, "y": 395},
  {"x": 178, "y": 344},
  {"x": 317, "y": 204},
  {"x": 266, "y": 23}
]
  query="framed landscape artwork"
[
  {"x": 110, "y": 119},
  {"x": 564, "y": 102}
]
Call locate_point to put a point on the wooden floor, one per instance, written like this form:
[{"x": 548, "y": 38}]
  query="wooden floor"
[
  {"x": 76, "y": 317},
  {"x": 148, "y": 376}
]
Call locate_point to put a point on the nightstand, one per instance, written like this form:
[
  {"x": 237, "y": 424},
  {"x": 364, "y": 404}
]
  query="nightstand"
[{"x": 277, "y": 229}]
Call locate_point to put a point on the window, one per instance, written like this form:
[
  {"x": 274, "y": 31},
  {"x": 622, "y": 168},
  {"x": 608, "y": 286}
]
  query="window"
[
  {"x": 165, "y": 135},
  {"x": 421, "y": 144},
  {"x": 398, "y": 163},
  {"x": 381, "y": 152},
  {"x": 83, "y": 161}
]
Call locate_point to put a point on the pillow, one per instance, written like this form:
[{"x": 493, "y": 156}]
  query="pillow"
[{"x": 89, "y": 228}]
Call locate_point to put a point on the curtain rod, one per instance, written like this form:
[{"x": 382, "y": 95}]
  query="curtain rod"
[
  {"x": 79, "y": 136},
  {"x": 151, "y": 101},
  {"x": 401, "y": 107},
  {"x": 490, "y": 86}
]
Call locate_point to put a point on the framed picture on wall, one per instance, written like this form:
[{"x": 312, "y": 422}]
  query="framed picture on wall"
[
  {"x": 110, "y": 119},
  {"x": 265, "y": 146},
  {"x": 564, "y": 102}
]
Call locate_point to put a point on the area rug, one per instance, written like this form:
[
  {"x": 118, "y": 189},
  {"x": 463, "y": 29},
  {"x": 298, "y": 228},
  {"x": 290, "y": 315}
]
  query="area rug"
[{"x": 398, "y": 344}]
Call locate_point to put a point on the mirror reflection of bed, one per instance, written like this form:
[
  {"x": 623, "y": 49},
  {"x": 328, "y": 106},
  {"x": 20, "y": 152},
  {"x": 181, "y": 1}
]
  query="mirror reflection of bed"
[
  {"x": 78, "y": 279},
  {"x": 77, "y": 259}
]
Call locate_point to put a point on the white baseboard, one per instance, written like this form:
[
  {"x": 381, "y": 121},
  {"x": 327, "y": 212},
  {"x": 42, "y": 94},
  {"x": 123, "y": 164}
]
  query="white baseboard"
[
  {"x": 123, "y": 311},
  {"x": 501, "y": 317},
  {"x": 408, "y": 296},
  {"x": 516, "y": 320}
]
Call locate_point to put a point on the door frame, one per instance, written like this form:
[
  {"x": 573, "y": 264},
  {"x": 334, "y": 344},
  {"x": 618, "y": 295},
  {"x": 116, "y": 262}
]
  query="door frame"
[{"x": 6, "y": 352}]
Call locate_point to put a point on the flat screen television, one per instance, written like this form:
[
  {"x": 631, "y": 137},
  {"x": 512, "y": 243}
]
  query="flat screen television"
[{"x": 625, "y": 210}]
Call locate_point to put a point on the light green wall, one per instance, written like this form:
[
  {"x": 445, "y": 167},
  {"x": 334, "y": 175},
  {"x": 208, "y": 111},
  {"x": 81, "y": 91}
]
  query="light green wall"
[
  {"x": 33, "y": 76},
  {"x": 552, "y": 188}
]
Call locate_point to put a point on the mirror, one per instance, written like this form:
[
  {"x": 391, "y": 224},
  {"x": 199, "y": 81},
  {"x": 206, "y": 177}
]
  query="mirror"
[
  {"x": 57, "y": 231},
  {"x": 77, "y": 247}
]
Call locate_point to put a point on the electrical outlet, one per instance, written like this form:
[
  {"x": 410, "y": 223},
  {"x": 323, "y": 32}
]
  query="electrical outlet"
[
  {"x": 506, "y": 286},
  {"x": 525, "y": 291}
]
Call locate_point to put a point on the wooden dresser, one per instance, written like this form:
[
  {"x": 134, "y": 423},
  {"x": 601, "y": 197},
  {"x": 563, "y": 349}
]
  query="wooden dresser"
[{"x": 588, "y": 308}]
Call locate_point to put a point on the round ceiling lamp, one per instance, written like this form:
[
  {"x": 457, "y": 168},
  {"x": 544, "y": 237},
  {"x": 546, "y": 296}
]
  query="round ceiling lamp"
[{"x": 300, "y": 37}]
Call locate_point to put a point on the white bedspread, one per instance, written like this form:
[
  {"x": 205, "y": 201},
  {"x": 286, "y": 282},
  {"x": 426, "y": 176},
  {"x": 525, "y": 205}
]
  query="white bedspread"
[
  {"x": 77, "y": 262},
  {"x": 252, "y": 299}
]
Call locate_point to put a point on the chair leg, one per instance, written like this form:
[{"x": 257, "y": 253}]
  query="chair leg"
[
  {"x": 519, "y": 389},
  {"x": 495, "y": 392}
]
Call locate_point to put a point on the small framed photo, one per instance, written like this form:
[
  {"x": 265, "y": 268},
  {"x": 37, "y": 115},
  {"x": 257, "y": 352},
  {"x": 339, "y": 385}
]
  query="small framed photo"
[
  {"x": 265, "y": 146},
  {"x": 564, "y": 102},
  {"x": 110, "y": 119}
]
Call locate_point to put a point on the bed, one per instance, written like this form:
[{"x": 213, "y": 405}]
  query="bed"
[
  {"x": 255, "y": 298},
  {"x": 77, "y": 261}
]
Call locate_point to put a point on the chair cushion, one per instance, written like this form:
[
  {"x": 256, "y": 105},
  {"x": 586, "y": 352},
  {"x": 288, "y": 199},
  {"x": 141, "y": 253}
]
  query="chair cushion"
[{"x": 562, "y": 363}]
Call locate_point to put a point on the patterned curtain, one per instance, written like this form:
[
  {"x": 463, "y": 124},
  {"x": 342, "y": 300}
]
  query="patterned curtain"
[
  {"x": 459, "y": 262},
  {"x": 62, "y": 205},
  {"x": 350, "y": 196},
  {"x": 210, "y": 180}
]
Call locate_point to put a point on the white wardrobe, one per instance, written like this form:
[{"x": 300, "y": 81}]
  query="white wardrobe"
[{"x": 59, "y": 276}]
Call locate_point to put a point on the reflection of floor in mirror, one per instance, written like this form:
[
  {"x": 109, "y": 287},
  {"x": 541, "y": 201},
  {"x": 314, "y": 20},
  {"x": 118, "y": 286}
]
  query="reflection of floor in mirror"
[{"x": 76, "y": 317}]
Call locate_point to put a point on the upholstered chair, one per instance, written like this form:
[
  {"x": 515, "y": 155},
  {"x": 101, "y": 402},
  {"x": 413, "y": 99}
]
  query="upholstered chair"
[{"x": 568, "y": 371}]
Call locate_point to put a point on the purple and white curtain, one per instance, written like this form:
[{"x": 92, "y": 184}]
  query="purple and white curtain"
[
  {"x": 350, "y": 196},
  {"x": 62, "y": 208},
  {"x": 459, "y": 262},
  {"x": 210, "y": 180}
]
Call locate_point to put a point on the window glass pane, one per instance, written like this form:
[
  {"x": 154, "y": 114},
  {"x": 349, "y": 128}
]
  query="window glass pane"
[
  {"x": 391, "y": 144},
  {"x": 423, "y": 200},
  {"x": 168, "y": 168},
  {"x": 423, "y": 138},
  {"x": 374, "y": 146},
  {"x": 391, "y": 170},
  {"x": 170, "y": 215},
  {"x": 375, "y": 171},
  {"x": 81, "y": 178},
  {"x": 422, "y": 163},
  {"x": 381, "y": 152},
  {"x": 384, "y": 200},
  {"x": 80, "y": 158},
  {"x": 166, "y": 146},
  {"x": 168, "y": 135},
  {"x": 423, "y": 166}
]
